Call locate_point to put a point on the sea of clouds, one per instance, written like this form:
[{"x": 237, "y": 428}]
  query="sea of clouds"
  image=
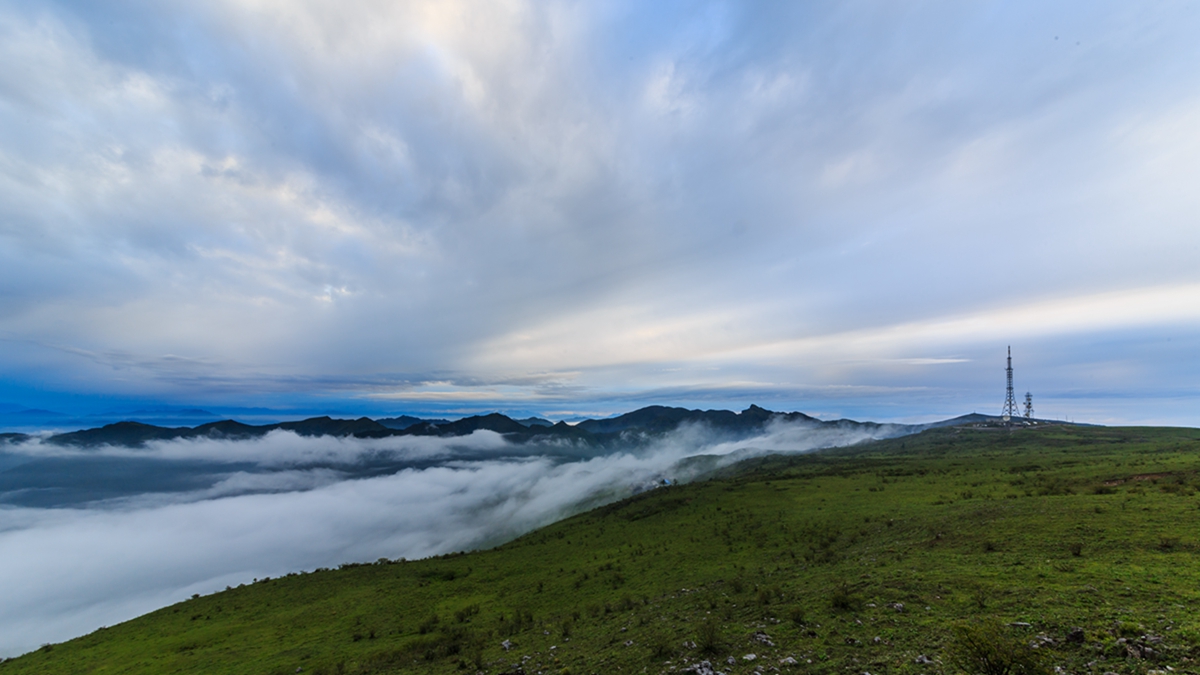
[{"x": 93, "y": 537}]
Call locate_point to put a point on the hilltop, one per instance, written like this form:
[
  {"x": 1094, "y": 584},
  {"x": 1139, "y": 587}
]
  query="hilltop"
[{"x": 1080, "y": 540}]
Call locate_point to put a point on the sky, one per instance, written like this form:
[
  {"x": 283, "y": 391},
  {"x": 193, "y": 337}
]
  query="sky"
[{"x": 575, "y": 209}]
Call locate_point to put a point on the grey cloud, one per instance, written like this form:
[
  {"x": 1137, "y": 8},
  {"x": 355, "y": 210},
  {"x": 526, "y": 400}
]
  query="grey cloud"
[{"x": 304, "y": 198}]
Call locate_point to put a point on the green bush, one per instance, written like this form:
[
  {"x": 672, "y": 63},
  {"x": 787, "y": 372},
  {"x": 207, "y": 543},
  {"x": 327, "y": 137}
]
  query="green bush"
[
  {"x": 843, "y": 600},
  {"x": 796, "y": 614},
  {"x": 708, "y": 637},
  {"x": 987, "y": 648}
]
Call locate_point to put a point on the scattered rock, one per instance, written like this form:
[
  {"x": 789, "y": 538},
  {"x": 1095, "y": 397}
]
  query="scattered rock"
[
  {"x": 877, "y": 639},
  {"x": 922, "y": 659},
  {"x": 507, "y": 644},
  {"x": 788, "y": 661},
  {"x": 750, "y": 657},
  {"x": 898, "y": 606},
  {"x": 731, "y": 661},
  {"x": 702, "y": 668},
  {"x": 1076, "y": 635},
  {"x": 1020, "y": 624},
  {"x": 762, "y": 638},
  {"x": 629, "y": 643}
]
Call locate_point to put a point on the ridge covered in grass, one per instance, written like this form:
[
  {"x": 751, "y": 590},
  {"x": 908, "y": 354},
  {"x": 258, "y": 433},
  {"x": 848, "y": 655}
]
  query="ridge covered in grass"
[{"x": 1081, "y": 540}]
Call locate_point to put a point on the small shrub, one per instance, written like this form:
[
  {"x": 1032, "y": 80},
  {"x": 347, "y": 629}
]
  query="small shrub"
[
  {"x": 660, "y": 647},
  {"x": 1126, "y": 629},
  {"x": 985, "y": 648},
  {"x": 842, "y": 599},
  {"x": 428, "y": 625},
  {"x": 463, "y": 615},
  {"x": 796, "y": 614},
  {"x": 708, "y": 637},
  {"x": 979, "y": 596},
  {"x": 1077, "y": 549}
]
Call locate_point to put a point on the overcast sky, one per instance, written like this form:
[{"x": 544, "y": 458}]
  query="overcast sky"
[{"x": 577, "y": 208}]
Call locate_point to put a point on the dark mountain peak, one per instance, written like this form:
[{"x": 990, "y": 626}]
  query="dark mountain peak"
[
  {"x": 405, "y": 421},
  {"x": 229, "y": 429},
  {"x": 756, "y": 413},
  {"x": 129, "y": 434},
  {"x": 328, "y": 426},
  {"x": 501, "y": 424},
  {"x": 651, "y": 418}
]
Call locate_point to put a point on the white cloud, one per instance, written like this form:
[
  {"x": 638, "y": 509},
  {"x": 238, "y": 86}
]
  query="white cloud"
[{"x": 314, "y": 202}]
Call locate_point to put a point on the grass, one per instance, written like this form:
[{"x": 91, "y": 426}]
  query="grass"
[{"x": 878, "y": 558}]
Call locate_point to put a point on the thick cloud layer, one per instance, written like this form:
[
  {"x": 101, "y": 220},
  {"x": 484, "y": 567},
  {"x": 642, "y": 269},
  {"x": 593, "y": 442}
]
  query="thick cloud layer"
[
  {"x": 301, "y": 503},
  {"x": 847, "y": 208}
]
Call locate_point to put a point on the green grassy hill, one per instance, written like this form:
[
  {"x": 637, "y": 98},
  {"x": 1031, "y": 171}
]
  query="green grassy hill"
[{"x": 850, "y": 561}]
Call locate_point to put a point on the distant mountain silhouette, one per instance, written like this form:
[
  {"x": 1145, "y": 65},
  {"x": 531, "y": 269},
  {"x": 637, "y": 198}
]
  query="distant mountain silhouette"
[
  {"x": 662, "y": 418},
  {"x": 648, "y": 421},
  {"x": 405, "y": 421}
]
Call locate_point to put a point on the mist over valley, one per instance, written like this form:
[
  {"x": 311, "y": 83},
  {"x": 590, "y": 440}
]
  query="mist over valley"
[{"x": 104, "y": 524}]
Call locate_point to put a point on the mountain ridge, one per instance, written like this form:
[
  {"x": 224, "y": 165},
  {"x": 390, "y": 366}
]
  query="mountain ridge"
[{"x": 647, "y": 421}]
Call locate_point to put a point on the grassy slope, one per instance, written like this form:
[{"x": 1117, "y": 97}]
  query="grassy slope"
[{"x": 811, "y": 550}]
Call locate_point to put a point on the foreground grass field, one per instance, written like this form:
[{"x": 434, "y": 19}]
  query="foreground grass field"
[{"x": 1082, "y": 540}]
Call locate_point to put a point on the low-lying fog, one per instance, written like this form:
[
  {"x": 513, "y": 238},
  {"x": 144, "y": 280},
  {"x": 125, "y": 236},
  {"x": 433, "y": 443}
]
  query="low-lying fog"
[{"x": 93, "y": 537}]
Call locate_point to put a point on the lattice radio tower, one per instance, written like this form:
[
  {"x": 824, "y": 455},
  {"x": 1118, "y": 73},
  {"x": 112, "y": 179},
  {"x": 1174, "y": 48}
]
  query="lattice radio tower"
[{"x": 1010, "y": 401}]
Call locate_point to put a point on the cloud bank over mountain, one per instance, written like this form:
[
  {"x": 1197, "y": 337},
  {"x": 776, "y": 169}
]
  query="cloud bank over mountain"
[
  {"x": 567, "y": 207},
  {"x": 283, "y": 503}
]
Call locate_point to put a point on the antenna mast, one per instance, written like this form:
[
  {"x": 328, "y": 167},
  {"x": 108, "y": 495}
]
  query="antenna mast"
[{"x": 1010, "y": 401}]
